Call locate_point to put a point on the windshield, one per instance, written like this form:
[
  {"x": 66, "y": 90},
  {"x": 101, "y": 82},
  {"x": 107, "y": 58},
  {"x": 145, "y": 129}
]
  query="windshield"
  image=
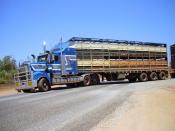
[{"x": 43, "y": 58}]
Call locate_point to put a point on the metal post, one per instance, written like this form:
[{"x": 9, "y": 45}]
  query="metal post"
[{"x": 61, "y": 52}]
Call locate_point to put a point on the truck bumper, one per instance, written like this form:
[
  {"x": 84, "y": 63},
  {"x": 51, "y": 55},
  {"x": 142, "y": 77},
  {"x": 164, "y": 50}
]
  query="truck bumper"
[{"x": 24, "y": 85}]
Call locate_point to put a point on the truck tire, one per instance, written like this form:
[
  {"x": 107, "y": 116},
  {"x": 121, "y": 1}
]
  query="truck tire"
[
  {"x": 162, "y": 75},
  {"x": 95, "y": 79},
  {"x": 143, "y": 77},
  {"x": 43, "y": 85},
  {"x": 132, "y": 77},
  {"x": 87, "y": 80},
  {"x": 152, "y": 76},
  {"x": 108, "y": 76}
]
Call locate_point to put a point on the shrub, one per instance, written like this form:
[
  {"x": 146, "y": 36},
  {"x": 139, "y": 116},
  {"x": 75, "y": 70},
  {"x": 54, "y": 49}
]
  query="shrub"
[{"x": 7, "y": 69}]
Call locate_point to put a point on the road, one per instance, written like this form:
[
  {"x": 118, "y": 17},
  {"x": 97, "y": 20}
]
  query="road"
[
  {"x": 65, "y": 108},
  {"x": 61, "y": 109}
]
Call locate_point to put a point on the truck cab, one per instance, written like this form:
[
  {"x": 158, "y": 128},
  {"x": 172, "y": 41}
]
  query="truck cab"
[{"x": 50, "y": 68}]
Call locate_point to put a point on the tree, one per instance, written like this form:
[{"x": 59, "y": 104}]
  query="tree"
[
  {"x": 8, "y": 64},
  {"x": 7, "y": 69}
]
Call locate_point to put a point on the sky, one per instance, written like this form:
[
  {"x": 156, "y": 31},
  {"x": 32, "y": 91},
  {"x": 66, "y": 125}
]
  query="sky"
[{"x": 25, "y": 24}]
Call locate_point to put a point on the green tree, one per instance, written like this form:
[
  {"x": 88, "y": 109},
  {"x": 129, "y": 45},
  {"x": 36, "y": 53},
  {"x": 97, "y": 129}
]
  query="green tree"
[{"x": 7, "y": 69}]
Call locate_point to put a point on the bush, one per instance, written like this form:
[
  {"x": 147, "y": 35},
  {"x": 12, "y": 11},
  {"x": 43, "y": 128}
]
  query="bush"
[{"x": 7, "y": 69}]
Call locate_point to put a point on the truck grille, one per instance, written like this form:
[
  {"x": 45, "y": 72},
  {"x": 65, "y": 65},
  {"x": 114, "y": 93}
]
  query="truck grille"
[{"x": 23, "y": 74}]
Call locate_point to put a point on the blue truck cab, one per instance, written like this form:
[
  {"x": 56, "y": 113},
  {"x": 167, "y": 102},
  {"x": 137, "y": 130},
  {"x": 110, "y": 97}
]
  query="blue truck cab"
[{"x": 58, "y": 66}]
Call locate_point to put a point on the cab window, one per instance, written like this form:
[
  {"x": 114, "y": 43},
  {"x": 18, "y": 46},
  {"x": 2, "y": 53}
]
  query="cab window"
[
  {"x": 43, "y": 58},
  {"x": 56, "y": 58}
]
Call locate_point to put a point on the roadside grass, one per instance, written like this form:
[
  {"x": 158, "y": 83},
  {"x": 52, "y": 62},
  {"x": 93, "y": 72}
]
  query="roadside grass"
[{"x": 6, "y": 77}]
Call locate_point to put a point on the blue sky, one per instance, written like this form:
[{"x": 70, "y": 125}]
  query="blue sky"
[{"x": 24, "y": 24}]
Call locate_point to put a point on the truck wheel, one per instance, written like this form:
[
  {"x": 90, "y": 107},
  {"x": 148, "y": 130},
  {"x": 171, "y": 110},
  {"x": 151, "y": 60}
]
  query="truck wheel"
[
  {"x": 132, "y": 77},
  {"x": 43, "y": 85},
  {"x": 162, "y": 75},
  {"x": 143, "y": 77},
  {"x": 95, "y": 79},
  {"x": 152, "y": 76},
  {"x": 87, "y": 80}
]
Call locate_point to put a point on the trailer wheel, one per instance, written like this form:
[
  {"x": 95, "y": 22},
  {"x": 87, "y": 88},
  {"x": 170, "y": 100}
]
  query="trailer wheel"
[
  {"x": 143, "y": 77},
  {"x": 152, "y": 76},
  {"x": 162, "y": 75},
  {"x": 43, "y": 85},
  {"x": 87, "y": 80}
]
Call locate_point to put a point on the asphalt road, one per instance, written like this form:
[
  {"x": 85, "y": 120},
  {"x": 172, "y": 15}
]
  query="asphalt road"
[{"x": 61, "y": 109}]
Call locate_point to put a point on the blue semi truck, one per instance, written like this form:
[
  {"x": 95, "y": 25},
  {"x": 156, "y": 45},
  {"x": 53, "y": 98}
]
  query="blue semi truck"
[
  {"x": 88, "y": 61},
  {"x": 58, "y": 66}
]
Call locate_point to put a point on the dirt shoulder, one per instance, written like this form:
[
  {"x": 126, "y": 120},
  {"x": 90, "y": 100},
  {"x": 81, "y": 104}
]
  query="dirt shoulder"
[
  {"x": 147, "y": 110},
  {"x": 7, "y": 89}
]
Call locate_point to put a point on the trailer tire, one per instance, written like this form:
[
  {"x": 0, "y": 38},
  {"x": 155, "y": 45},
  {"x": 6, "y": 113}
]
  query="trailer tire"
[
  {"x": 87, "y": 80},
  {"x": 162, "y": 75},
  {"x": 43, "y": 85},
  {"x": 143, "y": 77},
  {"x": 152, "y": 76}
]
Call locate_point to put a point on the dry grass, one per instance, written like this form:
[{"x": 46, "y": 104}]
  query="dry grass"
[{"x": 7, "y": 89}]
